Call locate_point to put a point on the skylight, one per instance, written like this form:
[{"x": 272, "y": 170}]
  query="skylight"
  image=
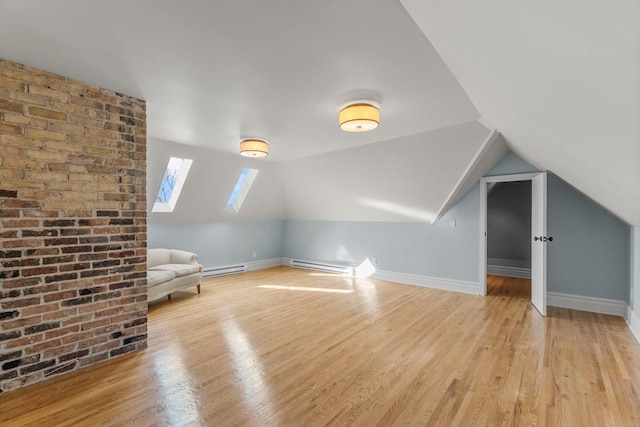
[
  {"x": 172, "y": 181},
  {"x": 240, "y": 191}
]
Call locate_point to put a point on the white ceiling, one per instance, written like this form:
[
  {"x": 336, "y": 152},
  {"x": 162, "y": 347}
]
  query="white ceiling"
[
  {"x": 560, "y": 80},
  {"x": 213, "y": 72}
]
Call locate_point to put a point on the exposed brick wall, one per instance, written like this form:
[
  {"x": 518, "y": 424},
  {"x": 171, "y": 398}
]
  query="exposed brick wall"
[{"x": 73, "y": 225}]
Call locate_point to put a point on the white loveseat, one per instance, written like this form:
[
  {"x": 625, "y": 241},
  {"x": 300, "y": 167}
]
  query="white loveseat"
[{"x": 169, "y": 270}]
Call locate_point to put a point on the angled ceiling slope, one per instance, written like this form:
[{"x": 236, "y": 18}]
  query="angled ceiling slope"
[
  {"x": 492, "y": 149},
  {"x": 407, "y": 179},
  {"x": 559, "y": 80},
  {"x": 213, "y": 72}
]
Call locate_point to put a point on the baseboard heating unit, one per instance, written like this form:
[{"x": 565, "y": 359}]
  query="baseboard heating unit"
[
  {"x": 224, "y": 270},
  {"x": 320, "y": 266}
]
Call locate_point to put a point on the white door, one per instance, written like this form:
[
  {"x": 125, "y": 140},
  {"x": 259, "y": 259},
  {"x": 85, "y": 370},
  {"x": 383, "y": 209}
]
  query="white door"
[{"x": 539, "y": 242}]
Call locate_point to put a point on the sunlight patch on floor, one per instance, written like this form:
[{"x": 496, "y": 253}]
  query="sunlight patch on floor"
[
  {"x": 176, "y": 386},
  {"x": 304, "y": 288},
  {"x": 248, "y": 369}
]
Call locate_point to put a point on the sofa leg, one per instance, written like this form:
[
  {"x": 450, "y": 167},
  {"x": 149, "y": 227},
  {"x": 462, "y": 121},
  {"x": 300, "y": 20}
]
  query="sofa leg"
[
  {"x": 198, "y": 288},
  {"x": 169, "y": 297}
]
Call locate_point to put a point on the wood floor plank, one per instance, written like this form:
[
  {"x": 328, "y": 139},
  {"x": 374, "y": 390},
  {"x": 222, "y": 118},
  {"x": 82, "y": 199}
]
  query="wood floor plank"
[{"x": 291, "y": 347}]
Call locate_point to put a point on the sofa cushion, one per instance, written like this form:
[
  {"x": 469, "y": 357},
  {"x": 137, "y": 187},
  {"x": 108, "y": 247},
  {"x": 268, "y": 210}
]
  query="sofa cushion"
[
  {"x": 178, "y": 269},
  {"x": 158, "y": 257},
  {"x": 182, "y": 257},
  {"x": 155, "y": 277}
]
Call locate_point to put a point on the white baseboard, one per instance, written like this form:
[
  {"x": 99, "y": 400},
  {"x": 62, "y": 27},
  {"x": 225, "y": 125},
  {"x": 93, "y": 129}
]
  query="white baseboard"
[
  {"x": 429, "y": 282},
  {"x": 633, "y": 321},
  {"x": 554, "y": 299},
  {"x": 265, "y": 263},
  {"x": 594, "y": 305},
  {"x": 500, "y": 270},
  {"x": 418, "y": 280}
]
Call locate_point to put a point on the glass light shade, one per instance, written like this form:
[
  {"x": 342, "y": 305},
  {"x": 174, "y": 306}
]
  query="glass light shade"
[
  {"x": 254, "y": 148},
  {"x": 359, "y": 118}
]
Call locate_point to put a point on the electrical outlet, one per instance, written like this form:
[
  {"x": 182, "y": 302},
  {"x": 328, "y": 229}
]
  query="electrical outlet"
[
  {"x": 254, "y": 254},
  {"x": 374, "y": 261},
  {"x": 452, "y": 223}
]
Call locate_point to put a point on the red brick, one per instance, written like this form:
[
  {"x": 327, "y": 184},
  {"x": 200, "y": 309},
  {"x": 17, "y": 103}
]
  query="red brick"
[
  {"x": 60, "y": 314},
  {"x": 38, "y": 348},
  {"x": 7, "y": 173},
  {"x": 96, "y": 324},
  {"x": 41, "y": 309},
  {"x": 12, "y": 129},
  {"x": 62, "y": 332},
  {"x": 93, "y": 308},
  {"x": 23, "y": 223},
  {"x": 10, "y": 150},
  {"x": 110, "y": 279},
  {"x": 60, "y": 296},
  {"x": 75, "y": 267},
  {"x": 24, "y": 341},
  {"x": 8, "y": 325},
  {"x": 20, "y": 283},
  {"x": 58, "y": 350},
  {"x": 41, "y": 289},
  {"x": 39, "y": 271},
  {"x": 74, "y": 355},
  {"x": 10, "y": 106},
  {"x": 70, "y": 151},
  {"x": 22, "y": 243},
  {"x": 20, "y": 303},
  {"x": 92, "y": 342},
  {"x": 44, "y": 251},
  {"x": 9, "y": 213},
  {"x": 94, "y": 359},
  {"x": 21, "y": 203},
  {"x": 75, "y": 338},
  {"x": 106, "y": 347}
]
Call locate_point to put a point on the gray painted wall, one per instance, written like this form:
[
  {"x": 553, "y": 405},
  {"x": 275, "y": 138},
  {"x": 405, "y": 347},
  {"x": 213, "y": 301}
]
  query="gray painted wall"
[
  {"x": 590, "y": 252},
  {"x": 511, "y": 164},
  {"x": 198, "y": 223},
  {"x": 416, "y": 248},
  {"x": 509, "y": 223},
  {"x": 590, "y": 256},
  {"x": 221, "y": 243}
]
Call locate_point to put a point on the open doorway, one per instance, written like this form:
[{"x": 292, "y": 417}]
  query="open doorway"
[
  {"x": 509, "y": 239},
  {"x": 538, "y": 236}
]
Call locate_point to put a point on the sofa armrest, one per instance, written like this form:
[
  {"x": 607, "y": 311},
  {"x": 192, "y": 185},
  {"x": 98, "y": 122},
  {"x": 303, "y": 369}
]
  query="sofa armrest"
[{"x": 183, "y": 257}]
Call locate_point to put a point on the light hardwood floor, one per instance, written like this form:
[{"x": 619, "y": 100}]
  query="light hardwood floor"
[{"x": 291, "y": 347}]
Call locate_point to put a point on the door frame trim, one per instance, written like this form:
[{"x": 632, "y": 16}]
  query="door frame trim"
[{"x": 484, "y": 181}]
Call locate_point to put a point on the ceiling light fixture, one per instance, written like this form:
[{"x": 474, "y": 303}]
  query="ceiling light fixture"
[
  {"x": 254, "y": 148},
  {"x": 360, "y": 116}
]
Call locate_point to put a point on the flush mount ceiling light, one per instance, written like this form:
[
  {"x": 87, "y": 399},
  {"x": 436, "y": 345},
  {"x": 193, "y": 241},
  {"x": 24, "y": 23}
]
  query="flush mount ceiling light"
[
  {"x": 359, "y": 116},
  {"x": 254, "y": 148}
]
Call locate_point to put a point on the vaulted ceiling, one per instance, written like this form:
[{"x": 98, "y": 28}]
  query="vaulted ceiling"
[{"x": 560, "y": 82}]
